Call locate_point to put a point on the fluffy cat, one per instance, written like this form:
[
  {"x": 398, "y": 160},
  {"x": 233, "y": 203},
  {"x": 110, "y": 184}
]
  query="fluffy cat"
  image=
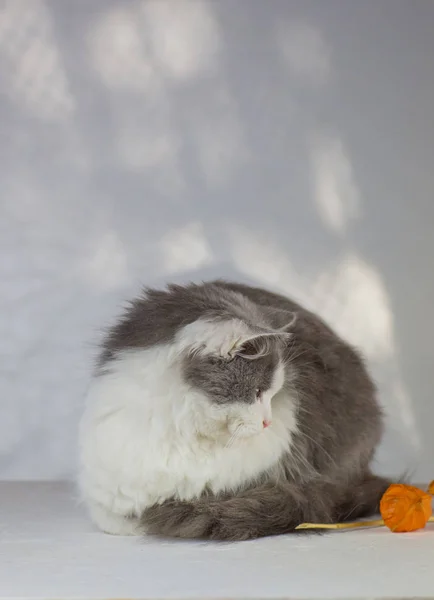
[{"x": 226, "y": 412}]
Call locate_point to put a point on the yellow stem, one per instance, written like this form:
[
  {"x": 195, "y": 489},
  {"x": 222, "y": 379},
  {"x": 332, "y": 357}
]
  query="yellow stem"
[{"x": 376, "y": 523}]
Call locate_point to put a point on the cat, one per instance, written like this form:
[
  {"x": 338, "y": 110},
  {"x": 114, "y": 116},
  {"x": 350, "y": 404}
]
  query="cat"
[{"x": 223, "y": 411}]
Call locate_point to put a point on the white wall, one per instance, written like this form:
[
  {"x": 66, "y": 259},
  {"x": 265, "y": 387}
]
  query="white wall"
[{"x": 288, "y": 143}]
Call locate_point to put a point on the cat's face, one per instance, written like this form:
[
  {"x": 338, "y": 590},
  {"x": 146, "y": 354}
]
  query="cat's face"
[{"x": 238, "y": 390}]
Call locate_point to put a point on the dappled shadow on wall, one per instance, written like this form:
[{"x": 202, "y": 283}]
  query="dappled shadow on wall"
[{"x": 151, "y": 120}]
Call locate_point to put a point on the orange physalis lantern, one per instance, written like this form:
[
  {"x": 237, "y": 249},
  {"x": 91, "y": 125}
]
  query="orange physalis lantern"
[{"x": 405, "y": 508}]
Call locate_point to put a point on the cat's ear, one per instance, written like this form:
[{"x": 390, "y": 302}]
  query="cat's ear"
[
  {"x": 281, "y": 319},
  {"x": 255, "y": 346},
  {"x": 292, "y": 319}
]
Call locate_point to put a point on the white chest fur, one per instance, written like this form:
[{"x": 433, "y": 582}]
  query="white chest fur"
[{"x": 139, "y": 443}]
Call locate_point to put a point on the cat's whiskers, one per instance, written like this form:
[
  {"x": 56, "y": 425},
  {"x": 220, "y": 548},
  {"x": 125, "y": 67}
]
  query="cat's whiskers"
[
  {"x": 353, "y": 510},
  {"x": 321, "y": 447},
  {"x": 308, "y": 348},
  {"x": 234, "y": 436},
  {"x": 302, "y": 461},
  {"x": 294, "y": 356}
]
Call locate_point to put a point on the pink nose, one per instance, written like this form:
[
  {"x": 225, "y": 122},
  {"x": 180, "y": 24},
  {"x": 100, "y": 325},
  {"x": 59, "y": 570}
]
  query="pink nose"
[{"x": 266, "y": 423}]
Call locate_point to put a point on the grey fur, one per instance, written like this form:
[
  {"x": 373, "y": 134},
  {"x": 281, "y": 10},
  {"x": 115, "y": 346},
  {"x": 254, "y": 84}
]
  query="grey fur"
[
  {"x": 265, "y": 510},
  {"x": 156, "y": 316},
  {"x": 235, "y": 380},
  {"x": 326, "y": 475}
]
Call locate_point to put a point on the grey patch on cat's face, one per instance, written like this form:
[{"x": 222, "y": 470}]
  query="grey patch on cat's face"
[{"x": 230, "y": 381}]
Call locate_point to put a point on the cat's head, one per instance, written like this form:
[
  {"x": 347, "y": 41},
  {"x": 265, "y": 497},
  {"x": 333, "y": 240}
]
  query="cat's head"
[{"x": 236, "y": 369}]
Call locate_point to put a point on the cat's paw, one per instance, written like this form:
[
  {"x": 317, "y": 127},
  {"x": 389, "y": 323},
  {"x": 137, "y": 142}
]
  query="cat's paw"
[{"x": 112, "y": 523}]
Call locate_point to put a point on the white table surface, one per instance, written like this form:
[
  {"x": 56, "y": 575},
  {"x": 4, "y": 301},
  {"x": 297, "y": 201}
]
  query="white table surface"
[{"x": 48, "y": 549}]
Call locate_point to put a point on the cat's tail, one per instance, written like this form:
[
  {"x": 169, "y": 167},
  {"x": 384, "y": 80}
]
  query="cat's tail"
[
  {"x": 256, "y": 512},
  {"x": 264, "y": 510},
  {"x": 362, "y": 499}
]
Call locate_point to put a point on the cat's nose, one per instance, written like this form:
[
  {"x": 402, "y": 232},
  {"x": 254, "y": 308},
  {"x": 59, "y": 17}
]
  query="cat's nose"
[{"x": 266, "y": 423}]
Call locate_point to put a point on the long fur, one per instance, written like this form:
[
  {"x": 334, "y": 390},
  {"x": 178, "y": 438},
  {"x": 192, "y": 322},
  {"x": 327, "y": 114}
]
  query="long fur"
[
  {"x": 264, "y": 510},
  {"x": 175, "y": 439}
]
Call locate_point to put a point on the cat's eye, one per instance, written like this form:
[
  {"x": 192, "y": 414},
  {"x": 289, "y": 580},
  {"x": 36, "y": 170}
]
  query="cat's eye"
[{"x": 258, "y": 394}]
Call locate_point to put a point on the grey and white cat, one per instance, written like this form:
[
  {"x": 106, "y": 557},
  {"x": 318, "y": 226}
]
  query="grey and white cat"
[{"x": 227, "y": 412}]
